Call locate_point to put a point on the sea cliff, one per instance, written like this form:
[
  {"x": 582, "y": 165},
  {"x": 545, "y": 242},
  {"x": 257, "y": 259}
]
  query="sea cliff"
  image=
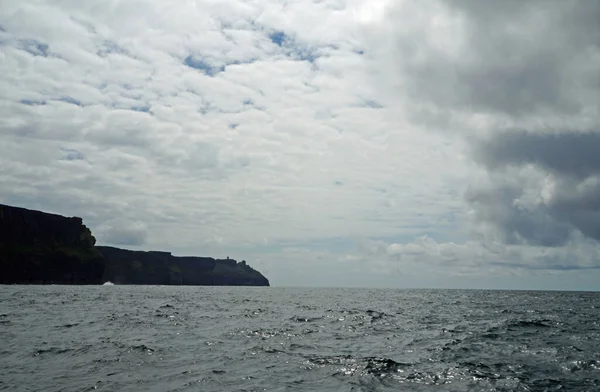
[
  {"x": 42, "y": 248},
  {"x": 138, "y": 267}
]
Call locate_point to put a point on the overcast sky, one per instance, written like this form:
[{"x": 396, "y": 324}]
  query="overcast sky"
[{"x": 329, "y": 143}]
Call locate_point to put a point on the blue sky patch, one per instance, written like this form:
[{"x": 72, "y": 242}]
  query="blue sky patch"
[
  {"x": 201, "y": 65},
  {"x": 32, "y": 102},
  {"x": 304, "y": 54},
  {"x": 144, "y": 109},
  {"x": 36, "y": 48},
  {"x": 293, "y": 48},
  {"x": 369, "y": 103},
  {"x": 71, "y": 155},
  {"x": 278, "y": 38},
  {"x": 111, "y": 47},
  {"x": 70, "y": 100}
]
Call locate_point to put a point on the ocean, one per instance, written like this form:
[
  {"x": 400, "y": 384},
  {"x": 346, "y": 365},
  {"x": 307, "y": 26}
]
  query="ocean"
[{"x": 155, "y": 338}]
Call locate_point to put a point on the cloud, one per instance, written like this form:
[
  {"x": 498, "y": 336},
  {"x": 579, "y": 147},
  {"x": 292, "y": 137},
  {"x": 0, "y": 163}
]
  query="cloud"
[
  {"x": 538, "y": 128},
  {"x": 570, "y": 154},
  {"x": 302, "y": 124},
  {"x": 509, "y": 61},
  {"x": 123, "y": 233},
  {"x": 425, "y": 262},
  {"x": 473, "y": 258},
  {"x": 545, "y": 186},
  {"x": 201, "y": 65},
  {"x": 516, "y": 81},
  {"x": 72, "y": 155},
  {"x": 266, "y": 130}
]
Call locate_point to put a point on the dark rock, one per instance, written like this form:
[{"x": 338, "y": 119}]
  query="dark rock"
[
  {"x": 139, "y": 267},
  {"x": 41, "y": 248}
]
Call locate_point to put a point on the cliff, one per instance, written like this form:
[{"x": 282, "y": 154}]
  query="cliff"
[
  {"x": 41, "y": 248},
  {"x": 37, "y": 247},
  {"x": 139, "y": 267}
]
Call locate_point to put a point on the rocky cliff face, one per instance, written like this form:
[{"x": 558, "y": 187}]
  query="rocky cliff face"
[
  {"x": 138, "y": 267},
  {"x": 41, "y": 248},
  {"x": 36, "y": 247}
]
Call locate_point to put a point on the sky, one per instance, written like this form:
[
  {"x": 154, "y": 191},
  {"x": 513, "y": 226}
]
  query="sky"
[{"x": 344, "y": 143}]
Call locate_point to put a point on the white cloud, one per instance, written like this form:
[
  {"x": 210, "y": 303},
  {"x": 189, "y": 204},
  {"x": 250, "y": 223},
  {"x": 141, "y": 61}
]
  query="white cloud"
[
  {"x": 122, "y": 232},
  {"x": 253, "y": 128}
]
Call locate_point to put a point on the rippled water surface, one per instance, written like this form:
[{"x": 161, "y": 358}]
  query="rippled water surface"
[{"x": 134, "y": 338}]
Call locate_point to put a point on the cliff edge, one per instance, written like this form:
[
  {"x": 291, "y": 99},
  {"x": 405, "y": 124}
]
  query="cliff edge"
[
  {"x": 42, "y": 248},
  {"x": 139, "y": 267}
]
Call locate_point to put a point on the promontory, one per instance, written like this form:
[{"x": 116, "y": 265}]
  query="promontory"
[{"x": 41, "y": 248}]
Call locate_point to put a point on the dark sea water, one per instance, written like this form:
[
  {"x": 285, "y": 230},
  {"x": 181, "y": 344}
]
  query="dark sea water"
[{"x": 134, "y": 338}]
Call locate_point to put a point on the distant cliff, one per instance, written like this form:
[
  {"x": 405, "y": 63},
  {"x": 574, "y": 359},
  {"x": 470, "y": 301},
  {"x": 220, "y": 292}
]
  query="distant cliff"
[
  {"x": 37, "y": 247},
  {"x": 41, "y": 248},
  {"x": 138, "y": 267}
]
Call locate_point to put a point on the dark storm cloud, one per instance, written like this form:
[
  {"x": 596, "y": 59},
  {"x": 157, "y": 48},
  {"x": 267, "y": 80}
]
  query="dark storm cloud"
[
  {"x": 571, "y": 159},
  {"x": 571, "y": 154},
  {"x": 520, "y": 63},
  {"x": 580, "y": 207},
  {"x": 513, "y": 224},
  {"x": 515, "y": 58}
]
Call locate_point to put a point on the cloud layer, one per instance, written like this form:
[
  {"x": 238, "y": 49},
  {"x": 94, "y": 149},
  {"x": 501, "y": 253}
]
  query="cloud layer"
[
  {"x": 547, "y": 186},
  {"x": 378, "y": 137}
]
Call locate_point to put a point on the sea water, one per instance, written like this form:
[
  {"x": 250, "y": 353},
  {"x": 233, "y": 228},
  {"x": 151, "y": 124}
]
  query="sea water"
[{"x": 150, "y": 338}]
